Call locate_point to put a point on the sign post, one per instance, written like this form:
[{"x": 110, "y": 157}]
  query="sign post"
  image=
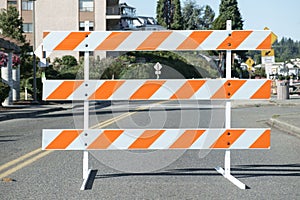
[{"x": 157, "y": 68}]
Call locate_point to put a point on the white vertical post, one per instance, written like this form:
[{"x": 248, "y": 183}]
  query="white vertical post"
[
  {"x": 85, "y": 166},
  {"x": 228, "y": 103},
  {"x": 226, "y": 171}
]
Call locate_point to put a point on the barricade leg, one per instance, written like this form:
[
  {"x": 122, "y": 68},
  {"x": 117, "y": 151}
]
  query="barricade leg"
[
  {"x": 226, "y": 172},
  {"x": 85, "y": 165}
]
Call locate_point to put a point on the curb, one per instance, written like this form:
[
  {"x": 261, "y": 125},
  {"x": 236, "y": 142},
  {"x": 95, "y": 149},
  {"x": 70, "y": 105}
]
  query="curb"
[
  {"x": 28, "y": 114},
  {"x": 291, "y": 129}
]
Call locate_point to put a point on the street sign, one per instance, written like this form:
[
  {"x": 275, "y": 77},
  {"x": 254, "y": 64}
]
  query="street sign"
[
  {"x": 157, "y": 66},
  {"x": 273, "y": 36},
  {"x": 250, "y": 62},
  {"x": 265, "y": 53}
]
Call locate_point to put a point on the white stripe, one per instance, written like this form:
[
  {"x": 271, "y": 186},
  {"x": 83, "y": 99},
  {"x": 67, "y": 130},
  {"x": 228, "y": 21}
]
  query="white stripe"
[
  {"x": 167, "y": 139},
  {"x": 254, "y": 40},
  {"x": 127, "y": 89},
  {"x": 86, "y": 90},
  {"x": 208, "y": 89},
  {"x": 53, "y": 39},
  {"x": 49, "y": 86},
  {"x": 247, "y": 138},
  {"x": 93, "y": 41},
  {"x": 214, "y": 40},
  {"x": 208, "y": 138},
  {"x": 248, "y": 89},
  {"x": 168, "y": 89},
  {"x": 48, "y": 136},
  {"x": 126, "y": 139},
  {"x": 92, "y": 135},
  {"x": 133, "y": 41},
  {"x": 174, "y": 40}
]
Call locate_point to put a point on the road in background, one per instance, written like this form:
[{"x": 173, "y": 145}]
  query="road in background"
[{"x": 271, "y": 174}]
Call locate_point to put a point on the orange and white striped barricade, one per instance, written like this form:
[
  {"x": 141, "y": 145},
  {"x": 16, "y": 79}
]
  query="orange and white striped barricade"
[{"x": 199, "y": 89}]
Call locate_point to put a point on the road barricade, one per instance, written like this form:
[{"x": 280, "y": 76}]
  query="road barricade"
[{"x": 199, "y": 89}]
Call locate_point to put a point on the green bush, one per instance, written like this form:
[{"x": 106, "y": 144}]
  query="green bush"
[
  {"x": 4, "y": 91},
  {"x": 69, "y": 60}
]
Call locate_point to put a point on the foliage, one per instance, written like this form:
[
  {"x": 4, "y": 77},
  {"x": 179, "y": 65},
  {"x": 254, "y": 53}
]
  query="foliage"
[
  {"x": 228, "y": 10},
  {"x": 208, "y": 17},
  {"x": 196, "y": 17},
  {"x": 168, "y": 14},
  {"x": 286, "y": 49},
  {"x": 191, "y": 14},
  {"x": 11, "y": 24},
  {"x": 4, "y": 91},
  {"x": 69, "y": 60}
]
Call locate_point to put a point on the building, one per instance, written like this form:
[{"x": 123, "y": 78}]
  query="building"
[
  {"x": 291, "y": 68},
  {"x": 70, "y": 15},
  {"x": 60, "y": 15}
]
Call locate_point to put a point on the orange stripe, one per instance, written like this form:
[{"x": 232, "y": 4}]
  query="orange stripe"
[
  {"x": 266, "y": 44},
  {"x": 188, "y": 89},
  {"x": 263, "y": 142},
  {"x": 147, "y": 90},
  {"x": 227, "y": 139},
  {"x": 64, "y": 139},
  {"x": 187, "y": 139},
  {"x": 233, "y": 41},
  {"x": 72, "y": 41},
  {"x": 194, "y": 40},
  {"x": 154, "y": 40},
  {"x": 106, "y": 90},
  {"x": 113, "y": 40},
  {"x": 146, "y": 139},
  {"x": 45, "y": 34},
  {"x": 264, "y": 92},
  {"x": 64, "y": 90},
  {"x": 228, "y": 89},
  {"x": 105, "y": 139}
]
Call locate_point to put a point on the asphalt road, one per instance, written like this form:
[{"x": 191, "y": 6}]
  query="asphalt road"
[{"x": 270, "y": 174}]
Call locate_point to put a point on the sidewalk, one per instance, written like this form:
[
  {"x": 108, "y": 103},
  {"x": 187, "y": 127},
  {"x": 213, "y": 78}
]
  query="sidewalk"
[{"x": 288, "y": 123}]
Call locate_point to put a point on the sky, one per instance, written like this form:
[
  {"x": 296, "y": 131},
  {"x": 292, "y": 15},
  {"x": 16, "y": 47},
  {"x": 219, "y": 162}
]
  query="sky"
[{"x": 280, "y": 16}]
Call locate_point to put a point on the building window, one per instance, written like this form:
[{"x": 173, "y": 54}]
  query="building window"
[
  {"x": 81, "y": 26},
  {"x": 27, "y": 27},
  {"x": 11, "y": 3},
  {"x": 86, "y": 5},
  {"x": 27, "y": 5}
]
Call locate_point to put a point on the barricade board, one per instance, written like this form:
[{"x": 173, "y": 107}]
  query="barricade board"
[
  {"x": 201, "y": 89},
  {"x": 140, "y": 139},
  {"x": 157, "y": 40}
]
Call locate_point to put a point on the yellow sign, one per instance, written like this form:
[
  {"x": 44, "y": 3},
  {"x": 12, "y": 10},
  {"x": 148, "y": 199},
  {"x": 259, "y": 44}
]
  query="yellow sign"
[
  {"x": 250, "y": 62},
  {"x": 273, "y": 36},
  {"x": 265, "y": 53}
]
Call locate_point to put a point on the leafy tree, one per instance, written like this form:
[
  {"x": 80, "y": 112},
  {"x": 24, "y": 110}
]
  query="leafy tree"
[
  {"x": 208, "y": 17},
  {"x": 191, "y": 14},
  {"x": 11, "y": 24},
  {"x": 196, "y": 17},
  {"x": 168, "y": 14},
  {"x": 228, "y": 10}
]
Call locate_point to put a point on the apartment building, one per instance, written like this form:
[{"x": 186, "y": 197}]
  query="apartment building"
[{"x": 64, "y": 15}]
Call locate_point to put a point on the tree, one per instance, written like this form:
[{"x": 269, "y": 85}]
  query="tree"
[
  {"x": 169, "y": 14},
  {"x": 228, "y": 10},
  {"x": 208, "y": 17},
  {"x": 191, "y": 14},
  {"x": 11, "y": 24}
]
